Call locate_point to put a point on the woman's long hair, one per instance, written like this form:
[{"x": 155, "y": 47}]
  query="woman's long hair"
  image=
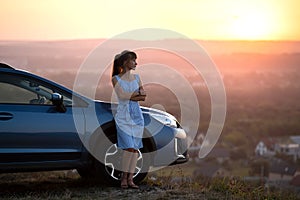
[
  {"x": 120, "y": 59},
  {"x": 116, "y": 66}
]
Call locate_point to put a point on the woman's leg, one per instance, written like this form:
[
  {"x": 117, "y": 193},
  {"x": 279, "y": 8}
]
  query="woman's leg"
[
  {"x": 133, "y": 162},
  {"x": 126, "y": 159}
]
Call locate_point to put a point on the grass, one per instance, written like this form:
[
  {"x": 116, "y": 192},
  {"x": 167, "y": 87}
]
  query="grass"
[
  {"x": 174, "y": 182},
  {"x": 225, "y": 188},
  {"x": 233, "y": 187}
]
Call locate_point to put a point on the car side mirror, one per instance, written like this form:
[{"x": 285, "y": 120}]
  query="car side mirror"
[{"x": 58, "y": 102}]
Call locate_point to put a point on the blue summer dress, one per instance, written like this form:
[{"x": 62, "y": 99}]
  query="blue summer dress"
[{"x": 129, "y": 118}]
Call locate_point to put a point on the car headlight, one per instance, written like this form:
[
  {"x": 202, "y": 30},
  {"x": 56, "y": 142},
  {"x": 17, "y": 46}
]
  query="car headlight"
[{"x": 165, "y": 120}]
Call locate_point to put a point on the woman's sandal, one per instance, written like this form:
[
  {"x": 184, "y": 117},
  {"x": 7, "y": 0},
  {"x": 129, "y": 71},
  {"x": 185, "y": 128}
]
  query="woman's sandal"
[
  {"x": 124, "y": 186},
  {"x": 124, "y": 180},
  {"x": 132, "y": 185}
]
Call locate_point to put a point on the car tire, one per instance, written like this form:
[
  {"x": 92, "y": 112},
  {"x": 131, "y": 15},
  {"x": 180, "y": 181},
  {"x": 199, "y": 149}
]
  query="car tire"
[{"x": 106, "y": 162}]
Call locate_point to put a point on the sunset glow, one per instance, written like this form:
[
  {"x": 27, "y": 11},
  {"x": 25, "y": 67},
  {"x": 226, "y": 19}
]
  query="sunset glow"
[
  {"x": 252, "y": 26},
  {"x": 201, "y": 19}
]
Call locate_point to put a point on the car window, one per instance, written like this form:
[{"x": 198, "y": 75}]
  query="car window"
[
  {"x": 20, "y": 90},
  {"x": 13, "y": 94}
]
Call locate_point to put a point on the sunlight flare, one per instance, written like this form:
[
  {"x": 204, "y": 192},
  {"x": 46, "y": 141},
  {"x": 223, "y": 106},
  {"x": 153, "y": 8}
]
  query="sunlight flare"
[{"x": 251, "y": 26}]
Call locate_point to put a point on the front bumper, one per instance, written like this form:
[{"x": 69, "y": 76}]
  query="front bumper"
[
  {"x": 180, "y": 149},
  {"x": 175, "y": 152}
]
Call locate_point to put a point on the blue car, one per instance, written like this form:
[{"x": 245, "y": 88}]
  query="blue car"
[{"x": 45, "y": 126}]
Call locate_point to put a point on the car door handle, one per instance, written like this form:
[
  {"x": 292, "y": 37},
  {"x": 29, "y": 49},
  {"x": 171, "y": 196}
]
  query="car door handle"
[{"x": 5, "y": 116}]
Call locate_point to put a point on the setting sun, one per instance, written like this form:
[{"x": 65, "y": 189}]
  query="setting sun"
[
  {"x": 250, "y": 27},
  {"x": 252, "y": 23}
]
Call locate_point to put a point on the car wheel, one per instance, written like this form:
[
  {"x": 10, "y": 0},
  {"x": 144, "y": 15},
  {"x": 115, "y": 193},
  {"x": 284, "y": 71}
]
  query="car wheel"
[
  {"x": 112, "y": 163},
  {"x": 108, "y": 169}
]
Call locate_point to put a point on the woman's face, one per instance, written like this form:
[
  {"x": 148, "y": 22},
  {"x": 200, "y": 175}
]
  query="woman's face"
[{"x": 130, "y": 63}]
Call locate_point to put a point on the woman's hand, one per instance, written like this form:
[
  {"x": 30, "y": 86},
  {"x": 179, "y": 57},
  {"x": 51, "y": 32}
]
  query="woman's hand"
[
  {"x": 143, "y": 92},
  {"x": 138, "y": 96}
]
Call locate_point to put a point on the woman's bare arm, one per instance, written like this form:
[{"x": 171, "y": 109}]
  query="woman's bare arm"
[
  {"x": 135, "y": 96},
  {"x": 122, "y": 94},
  {"x": 138, "y": 98},
  {"x": 142, "y": 92}
]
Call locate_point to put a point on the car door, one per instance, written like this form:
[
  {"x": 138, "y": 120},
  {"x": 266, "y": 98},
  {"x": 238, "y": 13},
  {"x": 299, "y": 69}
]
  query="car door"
[{"x": 31, "y": 128}]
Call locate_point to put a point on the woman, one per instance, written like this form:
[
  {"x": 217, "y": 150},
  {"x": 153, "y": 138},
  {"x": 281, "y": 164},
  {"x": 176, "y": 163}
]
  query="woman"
[{"x": 129, "y": 118}]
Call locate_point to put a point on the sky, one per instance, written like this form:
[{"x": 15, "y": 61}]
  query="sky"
[{"x": 196, "y": 19}]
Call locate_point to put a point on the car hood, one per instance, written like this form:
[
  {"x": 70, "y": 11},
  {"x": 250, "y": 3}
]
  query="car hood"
[{"x": 111, "y": 106}]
